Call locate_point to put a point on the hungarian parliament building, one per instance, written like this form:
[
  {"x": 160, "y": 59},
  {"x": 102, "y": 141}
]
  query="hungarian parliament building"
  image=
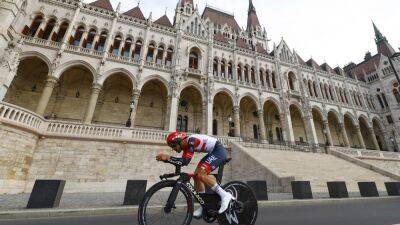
[{"x": 69, "y": 65}]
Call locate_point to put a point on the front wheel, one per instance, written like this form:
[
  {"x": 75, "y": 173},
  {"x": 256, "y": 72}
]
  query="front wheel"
[
  {"x": 244, "y": 209},
  {"x": 151, "y": 209}
]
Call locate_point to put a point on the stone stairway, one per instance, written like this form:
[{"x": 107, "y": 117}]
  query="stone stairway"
[{"x": 314, "y": 167}]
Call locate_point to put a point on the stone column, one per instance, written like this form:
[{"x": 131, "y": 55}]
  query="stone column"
[
  {"x": 84, "y": 36},
  {"x": 242, "y": 74},
  {"x": 328, "y": 133},
  {"x": 41, "y": 26},
  {"x": 95, "y": 40},
  {"x": 287, "y": 128},
  {"x": 271, "y": 85},
  {"x": 236, "y": 110},
  {"x": 92, "y": 104},
  {"x": 55, "y": 29},
  {"x": 263, "y": 133},
  {"x": 311, "y": 133},
  {"x": 135, "y": 99},
  {"x": 51, "y": 82},
  {"x": 173, "y": 113},
  {"x": 209, "y": 117},
  {"x": 344, "y": 134},
  {"x": 360, "y": 137},
  {"x": 219, "y": 68},
  {"x": 373, "y": 136}
]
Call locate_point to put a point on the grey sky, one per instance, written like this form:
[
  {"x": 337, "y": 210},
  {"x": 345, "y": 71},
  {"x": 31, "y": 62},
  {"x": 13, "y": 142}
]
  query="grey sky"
[{"x": 335, "y": 31}]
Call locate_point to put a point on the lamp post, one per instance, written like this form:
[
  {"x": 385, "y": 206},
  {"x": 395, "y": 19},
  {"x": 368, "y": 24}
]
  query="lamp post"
[
  {"x": 230, "y": 126},
  {"x": 131, "y": 106},
  {"x": 394, "y": 144},
  {"x": 325, "y": 131}
]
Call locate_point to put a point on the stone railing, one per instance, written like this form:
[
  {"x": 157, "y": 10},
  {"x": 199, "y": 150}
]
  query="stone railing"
[
  {"x": 368, "y": 154},
  {"x": 41, "y": 42},
  {"x": 20, "y": 117},
  {"x": 194, "y": 71}
]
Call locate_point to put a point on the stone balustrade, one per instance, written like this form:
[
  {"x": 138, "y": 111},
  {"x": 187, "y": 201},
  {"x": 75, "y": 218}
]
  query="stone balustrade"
[
  {"x": 41, "y": 42},
  {"x": 368, "y": 154},
  {"x": 20, "y": 117}
]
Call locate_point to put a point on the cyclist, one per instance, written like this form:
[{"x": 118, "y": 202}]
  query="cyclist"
[{"x": 215, "y": 157}]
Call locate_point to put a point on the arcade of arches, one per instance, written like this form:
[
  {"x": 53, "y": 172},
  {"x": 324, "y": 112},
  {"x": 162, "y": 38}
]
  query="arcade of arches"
[{"x": 76, "y": 97}]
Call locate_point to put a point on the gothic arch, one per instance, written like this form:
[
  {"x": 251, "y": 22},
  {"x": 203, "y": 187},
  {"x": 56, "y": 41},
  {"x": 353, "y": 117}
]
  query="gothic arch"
[
  {"x": 250, "y": 95},
  {"x": 192, "y": 84},
  {"x": 366, "y": 119},
  {"x": 39, "y": 55},
  {"x": 274, "y": 101},
  {"x": 226, "y": 91},
  {"x": 337, "y": 114},
  {"x": 154, "y": 77},
  {"x": 64, "y": 67},
  {"x": 319, "y": 110},
  {"x": 111, "y": 72},
  {"x": 351, "y": 117}
]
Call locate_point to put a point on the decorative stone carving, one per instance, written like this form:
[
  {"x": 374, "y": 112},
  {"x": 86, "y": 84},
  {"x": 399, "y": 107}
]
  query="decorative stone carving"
[{"x": 10, "y": 58}]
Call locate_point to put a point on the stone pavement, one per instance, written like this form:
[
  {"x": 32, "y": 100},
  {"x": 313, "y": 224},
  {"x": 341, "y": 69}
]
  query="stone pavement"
[{"x": 101, "y": 200}]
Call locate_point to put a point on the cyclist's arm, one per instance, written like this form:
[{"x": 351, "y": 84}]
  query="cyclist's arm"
[{"x": 187, "y": 154}]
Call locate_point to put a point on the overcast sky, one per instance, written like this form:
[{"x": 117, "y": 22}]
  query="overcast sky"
[{"x": 332, "y": 31}]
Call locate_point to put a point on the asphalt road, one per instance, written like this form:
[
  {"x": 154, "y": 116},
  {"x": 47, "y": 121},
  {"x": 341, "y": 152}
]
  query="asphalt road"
[{"x": 366, "y": 212}]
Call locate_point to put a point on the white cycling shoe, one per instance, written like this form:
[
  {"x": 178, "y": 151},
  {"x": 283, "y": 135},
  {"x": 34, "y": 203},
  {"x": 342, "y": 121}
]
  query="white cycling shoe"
[
  {"x": 225, "y": 201},
  {"x": 198, "y": 214}
]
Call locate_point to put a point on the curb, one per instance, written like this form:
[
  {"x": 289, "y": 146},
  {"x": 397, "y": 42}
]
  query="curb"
[{"x": 54, "y": 213}]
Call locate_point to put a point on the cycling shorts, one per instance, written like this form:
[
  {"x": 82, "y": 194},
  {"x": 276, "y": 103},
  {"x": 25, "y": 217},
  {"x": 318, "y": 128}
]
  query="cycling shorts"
[{"x": 213, "y": 159}]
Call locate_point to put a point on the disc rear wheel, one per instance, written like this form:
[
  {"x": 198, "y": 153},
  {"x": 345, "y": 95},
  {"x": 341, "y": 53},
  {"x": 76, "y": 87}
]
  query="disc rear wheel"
[{"x": 244, "y": 210}]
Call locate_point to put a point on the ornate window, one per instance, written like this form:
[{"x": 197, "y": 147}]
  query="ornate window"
[
  {"x": 89, "y": 41},
  {"x": 35, "y": 25},
  {"x": 99, "y": 46},
  {"x": 160, "y": 55},
  {"x": 49, "y": 28},
  {"x": 168, "y": 59},
  {"x": 215, "y": 67},
  {"x": 76, "y": 40},
  {"x": 193, "y": 60},
  {"x": 230, "y": 72},
  {"x": 127, "y": 48},
  {"x": 138, "y": 50},
  {"x": 150, "y": 53},
  {"x": 61, "y": 32}
]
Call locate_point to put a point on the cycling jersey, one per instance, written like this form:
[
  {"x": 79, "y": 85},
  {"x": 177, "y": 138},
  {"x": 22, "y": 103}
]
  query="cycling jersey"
[{"x": 202, "y": 144}]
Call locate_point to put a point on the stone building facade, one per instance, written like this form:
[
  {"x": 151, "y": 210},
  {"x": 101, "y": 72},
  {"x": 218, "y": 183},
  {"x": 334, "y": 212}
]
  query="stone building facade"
[{"x": 80, "y": 63}]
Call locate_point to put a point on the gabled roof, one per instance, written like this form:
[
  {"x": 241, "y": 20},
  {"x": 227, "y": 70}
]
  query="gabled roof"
[
  {"x": 301, "y": 61},
  {"x": 241, "y": 44},
  {"x": 220, "y": 37},
  {"x": 311, "y": 62},
  {"x": 260, "y": 49},
  {"x": 104, "y": 4},
  {"x": 365, "y": 67},
  {"x": 164, "y": 21},
  {"x": 135, "y": 12},
  {"x": 339, "y": 71},
  {"x": 220, "y": 18},
  {"x": 327, "y": 68}
]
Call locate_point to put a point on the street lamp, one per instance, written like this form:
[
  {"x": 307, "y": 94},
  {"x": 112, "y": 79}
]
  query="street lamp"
[
  {"x": 230, "y": 126},
  {"x": 394, "y": 144},
  {"x": 131, "y": 106}
]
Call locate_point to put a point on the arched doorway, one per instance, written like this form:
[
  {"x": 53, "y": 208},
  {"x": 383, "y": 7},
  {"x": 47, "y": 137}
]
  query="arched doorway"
[
  {"x": 319, "y": 126},
  {"x": 190, "y": 111},
  {"x": 27, "y": 86},
  {"x": 248, "y": 118},
  {"x": 298, "y": 126},
  {"x": 223, "y": 115},
  {"x": 114, "y": 100},
  {"x": 152, "y": 106},
  {"x": 272, "y": 122},
  {"x": 377, "y": 126},
  {"x": 334, "y": 127},
  {"x": 350, "y": 127},
  {"x": 364, "y": 128},
  {"x": 70, "y": 99}
]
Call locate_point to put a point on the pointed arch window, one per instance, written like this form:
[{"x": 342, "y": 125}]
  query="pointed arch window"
[
  {"x": 48, "y": 29},
  {"x": 223, "y": 72},
  {"x": 193, "y": 60},
  {"x": 230, "y": 73},
  {"x": 150, "y": 53},
  {"x": 380, "y": 101},
  {"x": 61, "y": 31},
  {"x": 99, "y": 46},
  {"x": 168, "y": 59},
  {"x": 35, "y": 25},
  {"x": 215, "y": 67},
  {"x": 90, "y": 39},
  {"x": 138, "y": 50},
  {"x": 262, "y": 78},
  {"x": 116, "y": 45},
  {"x": 160, "y": 55},
  {"x": 239, "y": 72},
  {"x": 127, "y": 47},
  {"x": 76, "y": 40}
]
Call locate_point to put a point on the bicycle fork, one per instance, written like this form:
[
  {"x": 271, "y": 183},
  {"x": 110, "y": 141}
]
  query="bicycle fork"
[{"x": 172, "y": 197}]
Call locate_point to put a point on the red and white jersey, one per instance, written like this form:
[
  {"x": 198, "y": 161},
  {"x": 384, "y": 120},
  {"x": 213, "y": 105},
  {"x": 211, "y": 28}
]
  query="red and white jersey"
[{"x": 201, "y": 143}]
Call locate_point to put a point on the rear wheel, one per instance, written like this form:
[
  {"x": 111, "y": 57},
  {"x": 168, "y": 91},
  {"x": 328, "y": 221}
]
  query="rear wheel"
[
  {"x": 244, "y": 210},
  {"x": 151, "y": 209}
]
